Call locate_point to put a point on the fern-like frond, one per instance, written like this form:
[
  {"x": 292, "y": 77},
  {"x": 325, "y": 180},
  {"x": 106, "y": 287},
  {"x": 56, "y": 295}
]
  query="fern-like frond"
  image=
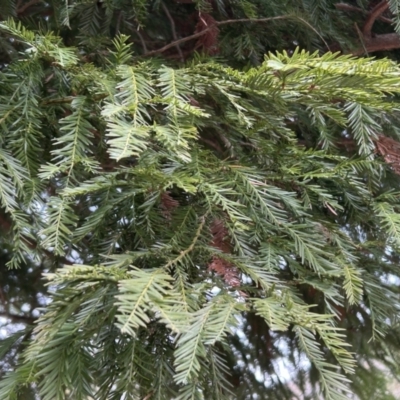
[
  {"x": 208, "y": 325},
  {"x": 146, "y": 296}
]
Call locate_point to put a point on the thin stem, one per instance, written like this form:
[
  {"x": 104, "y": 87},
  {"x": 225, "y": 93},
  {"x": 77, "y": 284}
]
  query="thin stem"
[
  {"x": 119, "y": 19},
  {"x": 228, "y": 22},
  {"x": 27, "y": 5},
  {"x": 173, "y": 29},
  {"x": 17, "y": 318},
  {"x": 183, "y": 253},
  {"x": 361, "y": 37},
  {"x": 145, "y": 51}
]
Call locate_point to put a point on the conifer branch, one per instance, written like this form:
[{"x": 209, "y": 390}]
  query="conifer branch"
[{"x": 181, "y": 243}]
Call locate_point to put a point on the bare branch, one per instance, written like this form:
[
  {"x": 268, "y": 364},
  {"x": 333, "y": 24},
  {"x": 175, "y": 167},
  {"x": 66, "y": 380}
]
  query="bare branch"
[
  {"x": 173, "y": 30},
  {"x": 143, "y": 43},
  {"x": 119, "y": 19},
  {"x": 27, "y": 5},
  {"x": 350, "y": 8},
  {"x": 177, "y": 42},
  {"x": 383, "y": 42},
  {"x": 362, "y": 39},
  {"x": 213, "y": 144},
  {"x": 69, "y": 99},
  {"x": 17, "y": 318},
  {"x": 228, "y": 22},
  {"x": 377, "y": 11},
  {"x": 371, "y": 44}
]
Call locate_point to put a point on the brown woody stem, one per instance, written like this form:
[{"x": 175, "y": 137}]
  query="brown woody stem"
[{"x": 376, "y": 12}]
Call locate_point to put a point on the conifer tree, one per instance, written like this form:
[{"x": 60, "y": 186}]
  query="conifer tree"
[{"x": 199, "y": 199}]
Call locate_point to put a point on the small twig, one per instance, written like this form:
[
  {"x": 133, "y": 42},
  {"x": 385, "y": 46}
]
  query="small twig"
[
  {"x": 177, "y": 42},
  {"x": 24, "y": 339},
  {"x": 361, "y": 37},
  {"x": 119, "y": 19},
  {"x": 212, "y": 144},
  {"x": 17, "y": 318},
  {"x": 69, "y": 99},
  {"x": 173, "y": 30},
  {"x": 253, "y": 146},
  {"x": 350, "y": 8},
  {"x": 3, "y": 298},
  {"x": 315, "y": 31},
  {"x": 27, "y": 5},
  {"x": 61, "y": 100},
  {"x": 185, "y": 252},
  {"x": 224, "y": 140},
  {"x": 142, "y": 41},
  {"x": 228, "y": 22},
  {"x": 148, "y": 396},
  {"x": 379, "y": 9}
]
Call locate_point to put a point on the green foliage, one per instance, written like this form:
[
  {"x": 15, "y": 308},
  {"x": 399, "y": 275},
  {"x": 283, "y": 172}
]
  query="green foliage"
[
  {"x": 394, "y": 6},
  {"x": 196, "y": 223}
]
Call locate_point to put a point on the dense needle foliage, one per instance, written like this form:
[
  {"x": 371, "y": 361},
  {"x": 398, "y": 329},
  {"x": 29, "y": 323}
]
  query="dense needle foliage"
[{"x": 192, "y": 207}]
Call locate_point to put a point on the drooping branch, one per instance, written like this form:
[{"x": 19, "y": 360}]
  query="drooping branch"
[{"x": 6, "y": 226}]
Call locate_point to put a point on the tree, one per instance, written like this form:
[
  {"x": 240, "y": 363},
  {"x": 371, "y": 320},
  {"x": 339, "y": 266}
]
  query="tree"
[{"x": 202, "y": 214}]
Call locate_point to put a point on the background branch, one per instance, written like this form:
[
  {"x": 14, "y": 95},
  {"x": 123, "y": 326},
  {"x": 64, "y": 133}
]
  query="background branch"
[
  {"x": 142, "y": 42},
  {"x": 173, "y": 30},
  {"x": 383, "y": 42},
  {"x": 30, "y": 3},
  {"x": 350, "y": 8},
  {"x": 228, "y": 22},
  {"x": 17, "y": 318},
  {"x": 379, "y": 9}
]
